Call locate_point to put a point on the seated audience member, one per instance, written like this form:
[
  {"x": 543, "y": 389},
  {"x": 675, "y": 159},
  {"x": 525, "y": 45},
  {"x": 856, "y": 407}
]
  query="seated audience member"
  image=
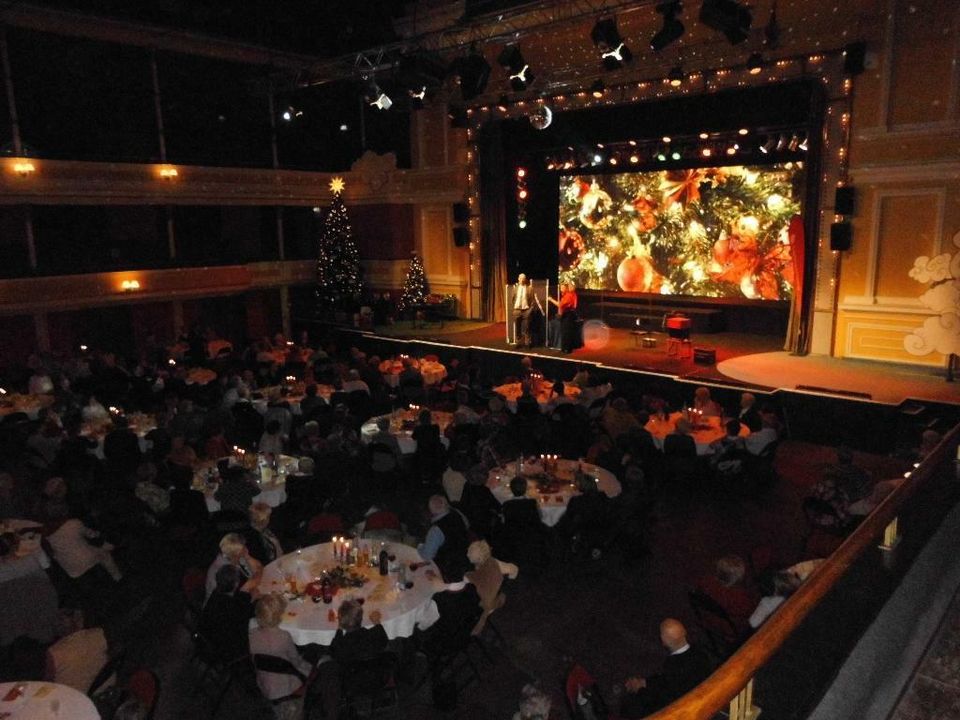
[
  {"x": 181, "y": 453},
  {"x": 446, "y": 541},
  {"x": 311, "y": 401},
  {"x": 233, "y": 551},
  {"x": 728, "y": 586},
  {"x": 680, "y": 443},
  {"x": 148, "y": 491},
  {"x": 757, "y": 442},
  {"x": 784, "y": 585},
  {"x": 527, "y": 405},
  {"x": 268, "y": 639},
  {"x": 40, "y": 383},
  {"x": 520, "y": 509},
  {"x": 426, "y": 433},
  {"x": 852, "y": 481},
  {"x": 747, "y": 413},
  {"x": 216, "y": 445},
  {"x": 80, "y": 653},
  {"x": 264, "y": 546},
  {"x": 454, "y": 479},
  {"x": 353, "y": 382},
  {"x": 705, "y": 404},
  {"x": 410, "y": 376},
  {"x": 686, "y": 667},
  {"x": 558, "y": 396},
  {"x": 526, "y": 368},
  {"x": 729, "y": 451},
  {"x": 587, "y": 516},
  {"x": 121, "y": 447},
  {"x": 534, "y": 704},
  {"x": 581, "y": 378},
  {"x": 236, "y": 492},
  {"x": 45, "y": 443},
  {"x": 310, "y": 441},
  {"x": 827, "y": 490},
  {"x": 617, "y": 419},
  {"x": 385, "y": 437},
  {"x": 225, "y": 619},
  {"x": 478, "y": 503},
  {"x": 353, "y": 642},
  {"x": 71, "y": 544},
  {"x": 272, "y": 442}
]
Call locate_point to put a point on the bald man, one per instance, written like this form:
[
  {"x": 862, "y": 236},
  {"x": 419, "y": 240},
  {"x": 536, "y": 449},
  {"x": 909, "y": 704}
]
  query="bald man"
[
  {"x": 523, "y": 301},
  {"x": 684, "y": 669}
]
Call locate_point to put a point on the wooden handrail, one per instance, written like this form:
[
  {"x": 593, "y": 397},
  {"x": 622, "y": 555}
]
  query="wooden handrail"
[{"x": 714, "y": 693}]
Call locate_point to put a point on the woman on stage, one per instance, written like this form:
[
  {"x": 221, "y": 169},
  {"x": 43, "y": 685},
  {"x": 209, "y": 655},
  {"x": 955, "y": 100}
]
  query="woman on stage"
[{"x": 563, "y": 327}]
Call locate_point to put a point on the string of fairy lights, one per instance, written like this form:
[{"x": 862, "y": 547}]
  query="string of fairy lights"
[{"x": 828, "y": 66}]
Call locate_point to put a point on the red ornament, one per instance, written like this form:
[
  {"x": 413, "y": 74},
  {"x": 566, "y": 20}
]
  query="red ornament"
[{"x": 571, "y": 248}]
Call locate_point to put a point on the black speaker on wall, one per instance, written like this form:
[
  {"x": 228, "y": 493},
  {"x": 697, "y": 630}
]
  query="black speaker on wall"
[
  {"x": 854, "y": 57},
  {"x": 841, "y": 236},
  {"x": 461, "y": 212},
  {"x": 461, "y": 236},
  {"x": 844, "y": 201}
]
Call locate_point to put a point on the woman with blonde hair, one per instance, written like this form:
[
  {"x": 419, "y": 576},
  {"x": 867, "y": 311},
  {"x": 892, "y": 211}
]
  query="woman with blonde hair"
[
  {"x": 233, "y": 551},
  {"x": 273, "y": 648},
  {"x": 263, "y": 544}
]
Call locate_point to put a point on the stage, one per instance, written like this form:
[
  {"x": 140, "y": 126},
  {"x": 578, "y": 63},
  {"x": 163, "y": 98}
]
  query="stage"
[{"x": 743, "y": 360}]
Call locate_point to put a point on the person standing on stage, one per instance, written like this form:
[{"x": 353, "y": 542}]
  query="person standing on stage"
[
  {"x": 524, "y": 299},
  {"x": 563, "y": 325}
]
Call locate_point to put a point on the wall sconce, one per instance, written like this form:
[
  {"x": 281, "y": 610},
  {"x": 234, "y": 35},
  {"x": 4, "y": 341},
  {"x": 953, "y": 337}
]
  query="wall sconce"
[
  {"x": 130, "y": 285},
  {"x": 168, "y": 173},
  {"x": 24, "y": 168}
]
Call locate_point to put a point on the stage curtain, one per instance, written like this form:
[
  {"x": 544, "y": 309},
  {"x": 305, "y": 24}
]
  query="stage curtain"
[
  {"x": 492, "y": 221},
  {"x": 801, "y": 312}
]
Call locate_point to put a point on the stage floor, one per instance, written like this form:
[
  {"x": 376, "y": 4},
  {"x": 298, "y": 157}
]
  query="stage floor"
[{"x": 757, "y": 361}]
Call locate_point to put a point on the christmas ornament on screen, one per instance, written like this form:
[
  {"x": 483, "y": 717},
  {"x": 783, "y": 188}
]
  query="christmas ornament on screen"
[
  {"x": 541, "y": 117},
  {"x": 338, "y": 259},
  {"x": 594, "y": 206},
  {"x": 414, "y": 285},
  {"x": 571, "y": 248}
]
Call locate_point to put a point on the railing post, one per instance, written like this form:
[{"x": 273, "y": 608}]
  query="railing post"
[
  {"x": 891, "y": 536},
  {"x": 742, "y": 707}
]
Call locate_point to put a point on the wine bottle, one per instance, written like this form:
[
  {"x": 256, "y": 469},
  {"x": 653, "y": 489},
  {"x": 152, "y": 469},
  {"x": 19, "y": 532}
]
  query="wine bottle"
[{"x": 384, "y": 560}]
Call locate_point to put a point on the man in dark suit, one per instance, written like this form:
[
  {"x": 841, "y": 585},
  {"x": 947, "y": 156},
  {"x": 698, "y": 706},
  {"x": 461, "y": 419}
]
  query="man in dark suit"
[
  {"x": 520, "y": 510},
  {"x": 684, "y": 669},
  {"x": 680, "y": 443},
  {"x": 748, "y": 413}
]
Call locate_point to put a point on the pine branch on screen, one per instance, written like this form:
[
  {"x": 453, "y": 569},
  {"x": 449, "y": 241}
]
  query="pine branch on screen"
[
  {"x": 414, "y": 285},
  {"x": 339, "y": 281}
]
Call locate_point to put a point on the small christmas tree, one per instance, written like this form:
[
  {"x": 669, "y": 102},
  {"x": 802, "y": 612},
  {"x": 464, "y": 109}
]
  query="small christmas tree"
[
  {"x": 414, "y": 285},
  {"x": 338, "y": 260}
]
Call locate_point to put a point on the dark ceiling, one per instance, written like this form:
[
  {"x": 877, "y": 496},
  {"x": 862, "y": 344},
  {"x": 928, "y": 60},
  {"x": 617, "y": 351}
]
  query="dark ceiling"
[{"x": 324, "y": 28}]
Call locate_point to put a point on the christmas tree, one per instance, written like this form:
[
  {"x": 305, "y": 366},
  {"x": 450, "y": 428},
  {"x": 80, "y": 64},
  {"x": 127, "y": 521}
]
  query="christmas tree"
[
  {"x": 338, "y": 260},
  {"x": 414, "y": 285}
]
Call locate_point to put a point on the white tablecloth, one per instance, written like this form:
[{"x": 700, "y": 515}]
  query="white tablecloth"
[
  {"x": 433, "y": 372},
  {"x": 552, "y": 505},
  {"x": 511, "y": 391},
  {"x": 402, "y": 611},
  {"x": 404, "y": 437},
  {"x": 712, "y": 431},
  {"x": 41, "y": 699}
]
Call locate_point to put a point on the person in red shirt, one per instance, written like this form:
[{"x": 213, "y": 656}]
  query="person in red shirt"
[
  {"x": 730, "y": 587},
  {"x": 565, "y": 320}
]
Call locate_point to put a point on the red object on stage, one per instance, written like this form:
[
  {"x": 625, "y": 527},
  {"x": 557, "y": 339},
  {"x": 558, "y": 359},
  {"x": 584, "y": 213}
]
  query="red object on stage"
[{"x": 678, "y": 323}]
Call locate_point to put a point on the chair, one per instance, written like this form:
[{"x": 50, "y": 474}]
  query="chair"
[
  {"x": 583, "y": 695},
  {"x": 487, "y": 578},
  {"x": 323, "y": 526},
  {"x": 109, "y": 669},
  {"x": 715, "y": 623},
  {"x": 371, "y": 680},
  {"x": 145, "y": 686},
  {"x": 382, "y": 458},
  {"x": 677, "y": 326}
]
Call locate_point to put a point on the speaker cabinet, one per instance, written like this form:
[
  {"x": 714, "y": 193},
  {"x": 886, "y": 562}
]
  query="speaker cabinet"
[
  {"x": 841, "y": 236},
  {"x": 461, "y": 212},
  {"x": 844, "y": 201},
  {"x": 854, "y": 57},
  {"x": 461, "y": 236}
]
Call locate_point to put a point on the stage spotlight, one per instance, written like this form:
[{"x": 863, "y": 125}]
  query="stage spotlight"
[
  {"x": 704, "y": 136},
  {"x": 781, "y": 143},
  {"x": 614, "y": 53},
  {"x": 743, "y": 131},
  {"x": 474, "y": 72},
  {"x": 803, "y": 143},
  {"x": 676, "y": 76},
  {"x": 706, "y": 152},
  {"x": 732, "y": 150},
  {"x": 383, "y": 102},
  {"x": 662, "y": 156},
  {"x": 290, "y": 113},
  {"x": 667, "y": 139},
  {"x": 520, "y": 74},
  {"x": 613, "y": 161},
  {"x": 728, "y": 17},
  {"x": 672, "y": 28},
  {"x": 541, "y": 117},
  {"x": 597, "y": 159},
  {"x": 634, "y": 159},
  {"x": 344, "y": 127},
  {"x": 503, "y": 103},
  {"x": 417, "y": 97},
  {"x": 768, "y": 145},
  {"x": 755, "y": 63},
  {"x": 675, "y": 155},
  {"x": 794, "y": 143},
  {"x": 598, "y": 88}
]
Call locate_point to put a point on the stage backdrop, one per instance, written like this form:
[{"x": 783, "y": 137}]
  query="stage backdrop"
[{"x": 716, "y": 232}]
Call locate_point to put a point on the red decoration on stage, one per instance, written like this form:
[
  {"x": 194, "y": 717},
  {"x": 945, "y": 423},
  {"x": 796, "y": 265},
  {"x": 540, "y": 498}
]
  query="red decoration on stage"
[{"x": 797, "y": 249}]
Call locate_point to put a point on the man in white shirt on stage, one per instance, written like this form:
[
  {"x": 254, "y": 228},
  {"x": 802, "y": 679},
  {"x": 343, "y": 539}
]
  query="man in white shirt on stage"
[{"x": 524, "y": 299}]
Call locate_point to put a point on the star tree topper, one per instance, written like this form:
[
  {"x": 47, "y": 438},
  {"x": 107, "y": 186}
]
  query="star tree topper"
[{"x": 337, "y": 185}]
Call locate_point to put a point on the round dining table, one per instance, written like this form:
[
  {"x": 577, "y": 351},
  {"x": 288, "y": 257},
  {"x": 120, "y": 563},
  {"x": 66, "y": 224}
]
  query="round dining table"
[
  {"x": 273, "y": 485},
  {"x": 402, "y": 423},
  {"x": 551, "y": 489},
  {"x": 433, "y": 372},
  {"x": 274, "y": 393},
  {"x": 31, "y": 405},
  {"x": 706, "y": 430},
  {"x": 139, "y": 423},
  {"x": 402, "y": 610},
  {"x": 543, "y": 392},
  {"x": 44, "y": 701}
]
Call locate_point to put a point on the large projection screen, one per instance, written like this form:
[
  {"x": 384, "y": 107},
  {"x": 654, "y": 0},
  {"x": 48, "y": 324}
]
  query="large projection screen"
[{"x": 708, "y": 232}]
